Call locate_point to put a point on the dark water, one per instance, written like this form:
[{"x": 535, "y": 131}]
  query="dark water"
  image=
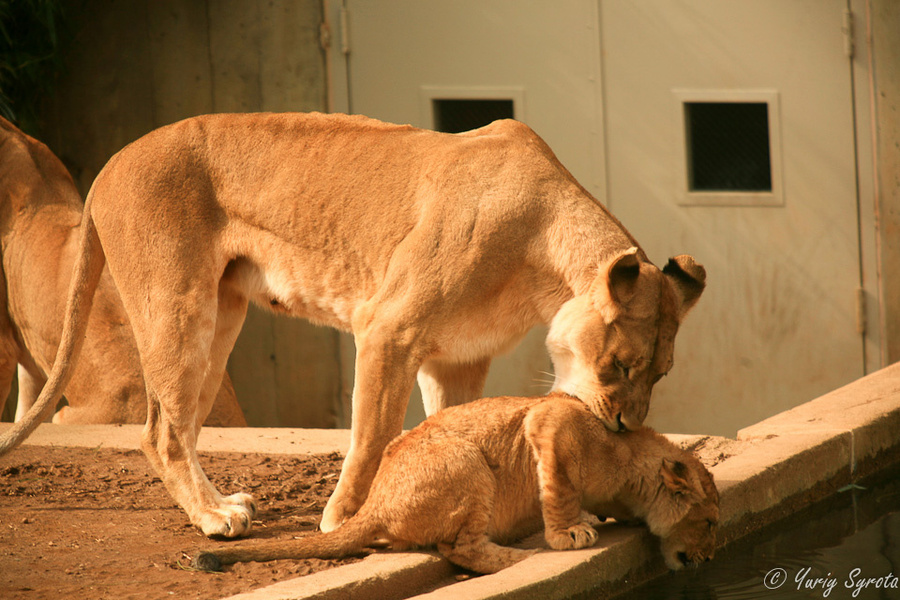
[{"x": 845, "y": 547}]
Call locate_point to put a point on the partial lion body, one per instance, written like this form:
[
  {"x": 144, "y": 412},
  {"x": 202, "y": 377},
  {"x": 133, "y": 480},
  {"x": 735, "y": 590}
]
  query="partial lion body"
[
  {"x": 40, "y": 214},
  {"x": 436, "y": 251},
  {"x": 473, "y": 477}
]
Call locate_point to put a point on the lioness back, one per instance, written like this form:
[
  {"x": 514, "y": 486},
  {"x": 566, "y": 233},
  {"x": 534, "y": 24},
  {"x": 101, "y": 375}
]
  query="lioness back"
[{"x": 351, "y": 183}]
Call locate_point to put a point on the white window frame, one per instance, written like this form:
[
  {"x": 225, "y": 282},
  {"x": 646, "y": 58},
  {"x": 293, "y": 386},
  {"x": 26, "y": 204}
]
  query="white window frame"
[
  {"x": 429, "y": 93},
  {"x": 687, "y": 197}
]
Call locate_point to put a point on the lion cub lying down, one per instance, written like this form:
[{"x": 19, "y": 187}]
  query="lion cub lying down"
[{"x": 486, "y": 473}]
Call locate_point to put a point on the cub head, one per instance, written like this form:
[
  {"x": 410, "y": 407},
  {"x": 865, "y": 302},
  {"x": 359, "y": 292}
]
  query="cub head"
[
  {"x": 685, "y": 514},
  {"x": 610, "y": 345}
]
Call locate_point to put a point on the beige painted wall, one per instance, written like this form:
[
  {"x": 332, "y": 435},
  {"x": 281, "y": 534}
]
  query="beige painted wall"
[{"x": 137, "y": 65}]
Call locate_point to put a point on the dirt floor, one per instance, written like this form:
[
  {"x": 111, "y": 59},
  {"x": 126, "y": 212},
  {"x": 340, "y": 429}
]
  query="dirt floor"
[{"x": 87, "y": 524}]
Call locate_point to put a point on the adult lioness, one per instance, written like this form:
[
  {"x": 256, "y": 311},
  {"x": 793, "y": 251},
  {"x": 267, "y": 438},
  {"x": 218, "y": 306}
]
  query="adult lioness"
[
  {"x": 437, "y": 251},
  {"x": 40, "y": 213},
  {"x": 475, "y": 476}
]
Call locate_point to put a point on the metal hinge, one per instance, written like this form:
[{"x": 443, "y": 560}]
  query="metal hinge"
[
  {"x": 324, "y": 36},
  {"x": 861, "y": 321},
  {"x": 847, "y": 30}
]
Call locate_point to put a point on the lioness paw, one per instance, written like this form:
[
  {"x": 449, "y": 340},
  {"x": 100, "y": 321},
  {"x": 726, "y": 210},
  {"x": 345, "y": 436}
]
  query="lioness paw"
[
  {"x": 336, "y": 512},
  {"x": 241, "y": 499},
  {"x": 582, "y": 535},
  {"x": 227, "y": 521}
]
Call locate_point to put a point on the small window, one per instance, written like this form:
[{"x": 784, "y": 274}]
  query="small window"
[
  {"x": 728, "y": 146},
  {"x": 457, "y": 115}
]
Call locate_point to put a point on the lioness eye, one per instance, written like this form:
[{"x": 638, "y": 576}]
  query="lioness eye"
[{"x": 626, "y": 371}]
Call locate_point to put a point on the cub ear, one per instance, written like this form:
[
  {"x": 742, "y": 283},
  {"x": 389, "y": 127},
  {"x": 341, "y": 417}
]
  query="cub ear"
[
  {"x": 688, "y": 277},
  {"x": 674, "y": 475}
]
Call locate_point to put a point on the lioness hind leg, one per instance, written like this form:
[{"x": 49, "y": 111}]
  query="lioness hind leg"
[
  {"x": 232, "y": 309},
  {"x": 446, "y": 384},
  {"x": 183, "y": 352},
  {"x": 30, "y": 386}
]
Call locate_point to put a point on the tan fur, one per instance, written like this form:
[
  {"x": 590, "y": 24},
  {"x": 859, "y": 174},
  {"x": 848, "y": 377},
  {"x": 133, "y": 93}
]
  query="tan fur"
[
  {"x": 40, "y": 215},
  {"x": 436, "y": 251},
  {"x": 476, "y": 476}
]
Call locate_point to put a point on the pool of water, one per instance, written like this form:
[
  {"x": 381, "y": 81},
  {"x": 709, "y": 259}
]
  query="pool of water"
[{"x": 845, "y": 547}]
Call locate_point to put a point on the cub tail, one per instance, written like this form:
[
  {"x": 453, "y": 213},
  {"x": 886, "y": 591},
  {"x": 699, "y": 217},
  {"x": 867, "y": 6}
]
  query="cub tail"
[{"x": 352, "y": 538}]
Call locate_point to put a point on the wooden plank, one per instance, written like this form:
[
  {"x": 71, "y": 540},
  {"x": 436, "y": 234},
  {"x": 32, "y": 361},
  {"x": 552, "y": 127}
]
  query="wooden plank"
[{"x": 179, "y": 48}]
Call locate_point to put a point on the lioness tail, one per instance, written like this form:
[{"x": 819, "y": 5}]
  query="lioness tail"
[{"x": 348, "y": 540}]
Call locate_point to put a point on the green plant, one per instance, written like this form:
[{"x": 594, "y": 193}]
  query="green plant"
[{"x": 31, "y": 36}]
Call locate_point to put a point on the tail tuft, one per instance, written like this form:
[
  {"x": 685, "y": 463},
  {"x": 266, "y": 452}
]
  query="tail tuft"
[{"x": 207, "y": 561}]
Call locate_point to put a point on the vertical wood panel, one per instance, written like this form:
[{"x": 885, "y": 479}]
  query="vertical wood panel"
[
  {"x": 292, "y": 67},
  {"x": 179, "y": 49},
  {"x": 234, "y": 36},
  {"x": 104, "y": 99},
  {"x": 141, "y": 64},
  {"x": 264, "y": 56}
]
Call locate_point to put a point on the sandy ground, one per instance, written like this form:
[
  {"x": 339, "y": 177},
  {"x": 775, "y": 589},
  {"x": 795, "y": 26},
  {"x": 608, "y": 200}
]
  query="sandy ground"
[{"x": 97, "y": 523}]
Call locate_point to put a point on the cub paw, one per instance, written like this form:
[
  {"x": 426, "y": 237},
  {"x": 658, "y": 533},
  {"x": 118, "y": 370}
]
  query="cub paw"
[{"x": 577, "y": 536}]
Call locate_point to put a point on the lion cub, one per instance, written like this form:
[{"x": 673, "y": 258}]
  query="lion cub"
[{"x": 478, "y": 475}]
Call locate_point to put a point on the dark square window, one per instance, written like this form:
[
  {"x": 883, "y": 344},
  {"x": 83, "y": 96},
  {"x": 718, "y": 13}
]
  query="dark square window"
[
  {"x": 455, "y": 116},
  {"x": 728, "y": 146}
]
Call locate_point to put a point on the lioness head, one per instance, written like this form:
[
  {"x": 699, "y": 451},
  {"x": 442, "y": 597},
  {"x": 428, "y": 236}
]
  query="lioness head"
[
  {"x": 686, "y": 514},
  {"x": 610, "y": 345}
]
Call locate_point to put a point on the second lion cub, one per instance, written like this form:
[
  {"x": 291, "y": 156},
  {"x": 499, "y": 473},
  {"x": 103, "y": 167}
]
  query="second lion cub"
[{"x": 475, "y": 476}]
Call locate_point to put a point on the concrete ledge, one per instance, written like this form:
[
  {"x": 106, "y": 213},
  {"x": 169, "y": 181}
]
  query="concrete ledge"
[
  {"x": 771, "y": 470},
  {"x": 265, "y": 440},
  {"x": 377, "y": 577},
  {"x": 564, "y": 574}
]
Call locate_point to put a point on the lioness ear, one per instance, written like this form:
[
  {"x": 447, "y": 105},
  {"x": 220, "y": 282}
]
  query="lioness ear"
[
  {"x": 688, "y": 278},
  {"x": 674, "y": 475},
  {"x": 621, "y": 276}
]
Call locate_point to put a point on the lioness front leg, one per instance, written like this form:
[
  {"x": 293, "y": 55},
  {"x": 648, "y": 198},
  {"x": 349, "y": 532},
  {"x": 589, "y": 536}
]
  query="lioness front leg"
[{"x": 385, "y": 375}]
